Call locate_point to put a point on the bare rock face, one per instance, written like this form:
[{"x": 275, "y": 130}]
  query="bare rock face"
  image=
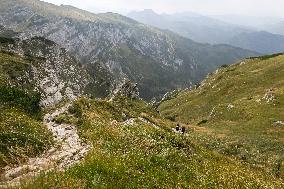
[
  {"x": 49, "y": 70},
  {"x": 128, "y": 89}
]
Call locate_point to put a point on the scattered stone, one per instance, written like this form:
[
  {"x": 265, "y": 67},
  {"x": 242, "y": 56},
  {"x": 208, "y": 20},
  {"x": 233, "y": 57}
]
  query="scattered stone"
[
  {"x": 269, "y": 96},
  {"x": 114, "y": 122},
  {"x": 279, "y": 123},
  {"x": 148, "y": 122},
  {"x": 230, "y": 106},
  {"x": 212, "y": 113},
  {"x": 68, "y": 151},
  {"x": 250, "y": 98},
  {"x": 69, "y": 127},
  {"x": 129, "y": 122},
  {"x": 124, "y": 115}
]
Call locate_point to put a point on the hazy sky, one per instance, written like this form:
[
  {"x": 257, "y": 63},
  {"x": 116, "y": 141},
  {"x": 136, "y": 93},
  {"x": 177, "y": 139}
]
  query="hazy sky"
[{"x": 245, "y": 7}]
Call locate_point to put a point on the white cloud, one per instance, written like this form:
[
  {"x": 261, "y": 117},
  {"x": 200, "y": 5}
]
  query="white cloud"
[{"x": 246, "y": 7}]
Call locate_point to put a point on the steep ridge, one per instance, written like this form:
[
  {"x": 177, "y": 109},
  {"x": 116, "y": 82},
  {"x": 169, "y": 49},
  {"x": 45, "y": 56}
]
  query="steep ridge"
[
  {"x": 238, "y": 110},
  {"x": 119, "y": 47},
  {"x": 38, "y": 64}
]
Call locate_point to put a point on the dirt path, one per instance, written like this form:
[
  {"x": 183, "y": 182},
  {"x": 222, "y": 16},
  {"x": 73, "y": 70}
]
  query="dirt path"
[{"x": 68, "y": 150}]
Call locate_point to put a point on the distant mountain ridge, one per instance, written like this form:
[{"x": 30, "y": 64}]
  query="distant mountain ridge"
[
  {"x": 277, "y": 28},
  {"x": 113, "y": 47},
  {"x": 263, "y": 42},
  {"x": 210, "y": 30},
  {"x": 191, "y": 25}
]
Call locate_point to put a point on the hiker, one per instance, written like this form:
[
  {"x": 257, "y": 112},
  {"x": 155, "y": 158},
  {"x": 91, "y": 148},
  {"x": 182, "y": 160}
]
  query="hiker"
[
  {"x": 183, "y": 130},
  {"x": 177, "y": 127}
]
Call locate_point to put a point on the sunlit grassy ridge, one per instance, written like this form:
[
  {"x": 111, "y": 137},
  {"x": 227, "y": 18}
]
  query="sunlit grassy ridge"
[
  {"x": 139, "y": 155},
  {"x": 239, "y": 110}
]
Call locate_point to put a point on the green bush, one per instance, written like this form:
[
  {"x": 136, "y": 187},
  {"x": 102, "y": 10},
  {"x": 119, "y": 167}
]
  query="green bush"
[
  {"x": 14, "y": 96},
  {"x": 224, "y": 66},
  {"x": 6, "y": 40},
  {"x": 266, "y": 57},
  {"x": 202, "y": 122},
  {"x": 171, "y": 117}
]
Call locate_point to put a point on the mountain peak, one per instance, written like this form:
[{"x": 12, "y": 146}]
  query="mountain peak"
[
  {"x": 145, "y": 12},
  {"x": 149, "y": 11}
]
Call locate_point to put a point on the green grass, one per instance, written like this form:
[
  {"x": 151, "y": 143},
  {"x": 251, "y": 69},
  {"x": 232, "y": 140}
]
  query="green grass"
[
  {"x": 22, "y": 133},
  {"x": 21, "y": 136},
  {"x": 15, "y": 69},
  {"x": 235, "y": 118},
  {"x": 141, "y": 156},
  {"x": 13, "y": 96}
]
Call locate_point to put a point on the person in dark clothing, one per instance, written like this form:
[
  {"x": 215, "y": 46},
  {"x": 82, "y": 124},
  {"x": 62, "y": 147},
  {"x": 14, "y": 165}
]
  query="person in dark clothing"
[
  {"x": 183, "y": 130},
  {"x": 177, "y": 127}
]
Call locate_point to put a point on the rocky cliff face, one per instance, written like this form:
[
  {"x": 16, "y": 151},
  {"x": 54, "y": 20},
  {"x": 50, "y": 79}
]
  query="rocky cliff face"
[
  {"x": 127, "y": 89},
  {"x": 119, "y": 47},
  {"x": 43, "y": 66}
]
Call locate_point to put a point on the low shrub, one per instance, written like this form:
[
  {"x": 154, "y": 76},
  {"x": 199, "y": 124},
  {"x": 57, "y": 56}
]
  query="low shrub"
[{"x": 14, "y": 96}]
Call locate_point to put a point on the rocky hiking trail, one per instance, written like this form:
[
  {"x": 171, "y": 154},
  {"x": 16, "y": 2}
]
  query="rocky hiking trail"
[{"x": 67, "y": 151}]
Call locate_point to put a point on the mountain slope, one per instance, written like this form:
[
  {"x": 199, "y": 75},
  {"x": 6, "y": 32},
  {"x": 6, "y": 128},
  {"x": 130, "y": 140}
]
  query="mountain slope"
[
  {"x": 35, "y": 74},
  {"x": 22, "y": 134},
  {"x": 119, "y": 47},
  {"x": 133, "y": 147},
  {"x": 253, "y": 22},
  {"x": 262, "y": 42},
  {"x": 38, "y": 64},
  {"x": 238, "y": 110},
  {"x": 209, "y": 30},
  {"x": 277, "y": 28},
  {"x": 193, "y": 26}
]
